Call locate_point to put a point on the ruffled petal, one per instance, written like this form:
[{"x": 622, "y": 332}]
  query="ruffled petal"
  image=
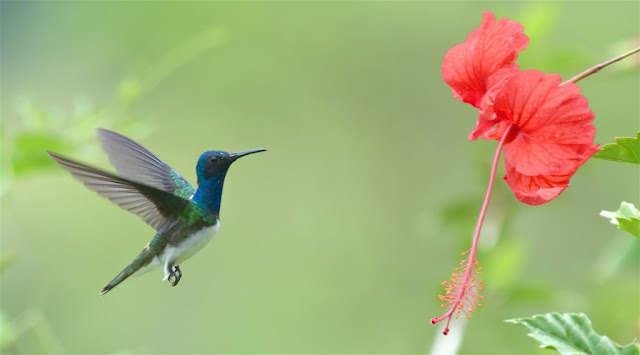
[
  {"x": 555, "y": 130},
  {"x": 485, "y": 59},
  {"x": 541, "y": 188},
  {"x": 535, "y": 190},
  {"x": 486, "y": 120}
]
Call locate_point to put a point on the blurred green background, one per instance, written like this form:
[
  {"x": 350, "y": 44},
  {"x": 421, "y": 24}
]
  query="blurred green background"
[{"x": 337, "y": 239}]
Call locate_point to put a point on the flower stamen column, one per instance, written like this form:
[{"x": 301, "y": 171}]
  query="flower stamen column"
[{"x": 459, "y": 291}]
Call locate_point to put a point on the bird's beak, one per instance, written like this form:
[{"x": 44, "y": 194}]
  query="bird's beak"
[{"x": 235, "y": 156}]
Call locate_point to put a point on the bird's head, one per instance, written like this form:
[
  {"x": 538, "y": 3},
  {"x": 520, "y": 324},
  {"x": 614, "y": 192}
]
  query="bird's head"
[{"x": 213, "y": 165}]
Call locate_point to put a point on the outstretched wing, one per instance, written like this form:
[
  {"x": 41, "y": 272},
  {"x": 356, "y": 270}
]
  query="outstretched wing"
[
  {"x": 153, "y": 205},
  {"x": 134, "y": 162}
]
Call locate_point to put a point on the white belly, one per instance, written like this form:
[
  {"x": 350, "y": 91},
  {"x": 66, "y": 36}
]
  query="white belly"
[
  {"x": 183, "y": 251},
  {"x": 190, "y": 246}
]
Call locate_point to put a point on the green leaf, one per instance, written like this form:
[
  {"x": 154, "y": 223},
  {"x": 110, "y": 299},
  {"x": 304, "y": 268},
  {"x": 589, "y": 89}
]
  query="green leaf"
[
  {"x": 29, "y": 151},
  {"x": 5, "y": 261},
  {"x": 571, "y": 333},
  {"x": 626, "y": 150},
  {"x": 626, "y": 218},
  {"x": 503, "y": 269},
  {"x": 7, "y": 334}
]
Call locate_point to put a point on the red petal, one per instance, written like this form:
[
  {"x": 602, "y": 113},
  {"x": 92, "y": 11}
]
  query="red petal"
[
  {"x": 486, "y": 120},
  {"x": 555, "y": 131},
  {"x": 497, "y": 131},
  {"x": 535, "y": 190},
  {"x": 485, "y": 59},
  {"x": 539, "y": 189}
]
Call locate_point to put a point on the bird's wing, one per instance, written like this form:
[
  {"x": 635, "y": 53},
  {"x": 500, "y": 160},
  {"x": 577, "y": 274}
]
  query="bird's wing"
[
  {"x": 153, "y": 205},
  {"x": 135, "y": 162}
]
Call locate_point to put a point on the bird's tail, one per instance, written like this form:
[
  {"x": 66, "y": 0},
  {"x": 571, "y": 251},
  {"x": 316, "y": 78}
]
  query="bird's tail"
[
  {"x": 118, "y": 279},
  {"x": 141, "y": 261}
]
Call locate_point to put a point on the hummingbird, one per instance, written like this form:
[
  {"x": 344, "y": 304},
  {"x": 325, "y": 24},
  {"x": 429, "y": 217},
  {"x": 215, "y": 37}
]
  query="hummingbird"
[{"x": 185, "y": 218}]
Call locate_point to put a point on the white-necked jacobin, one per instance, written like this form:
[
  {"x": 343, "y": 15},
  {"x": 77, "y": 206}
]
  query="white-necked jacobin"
[{"x": 185, "y": 219}]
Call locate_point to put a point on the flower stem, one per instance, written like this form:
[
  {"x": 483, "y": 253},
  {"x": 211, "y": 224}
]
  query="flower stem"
[
  {"x": 596, "y": 68},
  {"x": 471, "y": 260}
]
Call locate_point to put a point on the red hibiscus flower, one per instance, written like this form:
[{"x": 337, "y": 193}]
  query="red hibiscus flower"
[
  {"x": 552, "y": 134},
  {"x": 543, "y": 126}
]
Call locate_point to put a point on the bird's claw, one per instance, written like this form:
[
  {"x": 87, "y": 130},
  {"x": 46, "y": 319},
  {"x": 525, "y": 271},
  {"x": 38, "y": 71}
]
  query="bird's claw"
[{"x": 175, "y": 275}]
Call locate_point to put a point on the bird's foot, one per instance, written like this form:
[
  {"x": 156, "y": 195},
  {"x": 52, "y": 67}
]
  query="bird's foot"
[{"x": 175, "y": 275}]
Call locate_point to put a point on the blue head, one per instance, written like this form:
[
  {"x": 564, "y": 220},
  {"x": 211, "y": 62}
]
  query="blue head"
[{"x": 211, "y": 169}]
